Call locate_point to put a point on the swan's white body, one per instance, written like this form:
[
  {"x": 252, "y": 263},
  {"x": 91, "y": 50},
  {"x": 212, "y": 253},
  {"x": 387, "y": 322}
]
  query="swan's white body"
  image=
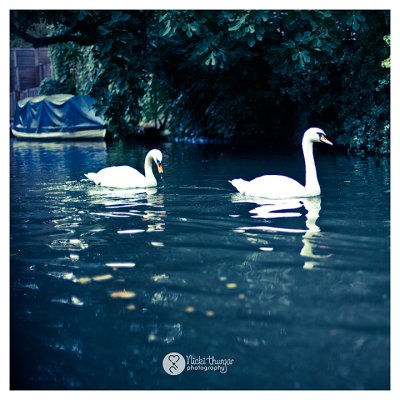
[
  {"x": 128, "y": 177},
  {"x": 283, "y": 187}
]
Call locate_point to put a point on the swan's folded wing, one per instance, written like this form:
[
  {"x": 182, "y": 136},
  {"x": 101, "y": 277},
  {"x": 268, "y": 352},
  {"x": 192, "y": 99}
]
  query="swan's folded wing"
[
  {"x": 275, "y": 187},
  {"x": 121, "y": 177}
]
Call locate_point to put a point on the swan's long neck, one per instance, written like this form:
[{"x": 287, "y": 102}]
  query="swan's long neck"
[
  {"x": 312, "y": 184},
  {"x": 148, "y": 168}
]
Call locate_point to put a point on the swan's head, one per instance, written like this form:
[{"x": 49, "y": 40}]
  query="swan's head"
[
  {"x": 156, "y": 155},
  {"x": 315, "y": 135}
]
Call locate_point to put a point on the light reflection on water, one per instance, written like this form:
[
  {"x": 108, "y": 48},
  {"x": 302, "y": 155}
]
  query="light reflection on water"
[{"x": 105, "y": 281}]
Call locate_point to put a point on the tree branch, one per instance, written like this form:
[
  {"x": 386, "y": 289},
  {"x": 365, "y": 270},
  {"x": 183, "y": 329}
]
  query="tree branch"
[{"x": 48, "y": 40}]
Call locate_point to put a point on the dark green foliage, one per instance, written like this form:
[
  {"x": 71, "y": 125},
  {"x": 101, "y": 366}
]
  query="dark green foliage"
[
  {"x": 229, "y": 73},
  {"x": 50, "y": 86}
]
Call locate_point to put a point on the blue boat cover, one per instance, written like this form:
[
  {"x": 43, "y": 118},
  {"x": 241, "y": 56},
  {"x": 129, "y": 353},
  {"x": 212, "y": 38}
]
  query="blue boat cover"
[{"x": 56, "y": 113}]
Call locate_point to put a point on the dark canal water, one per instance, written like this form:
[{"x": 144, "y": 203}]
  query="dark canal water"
[{"x": 106, "y": 282}]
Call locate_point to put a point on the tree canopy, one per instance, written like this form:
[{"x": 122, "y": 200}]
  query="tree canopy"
[{"x": 225, "y": 73}]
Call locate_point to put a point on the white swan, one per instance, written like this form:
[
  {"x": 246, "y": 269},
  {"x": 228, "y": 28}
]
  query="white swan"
[
  {"x": 128, "y": 177},
  {"x": 283, "y": 187}
]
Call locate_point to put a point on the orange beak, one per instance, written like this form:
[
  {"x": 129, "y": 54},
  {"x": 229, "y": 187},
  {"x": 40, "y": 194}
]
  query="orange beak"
[
  {"x": 160, "y": 168},
  {"x": 325, "y": 140}
]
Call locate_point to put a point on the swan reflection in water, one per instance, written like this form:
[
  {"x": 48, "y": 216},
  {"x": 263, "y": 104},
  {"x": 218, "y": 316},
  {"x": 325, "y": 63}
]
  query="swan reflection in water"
[
  {"x": 145, "y": 203},
  {"x": 272, "y": 209}
]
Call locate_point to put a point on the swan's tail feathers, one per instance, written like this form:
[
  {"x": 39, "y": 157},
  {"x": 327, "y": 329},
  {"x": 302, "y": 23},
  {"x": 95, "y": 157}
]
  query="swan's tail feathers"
[
  {"x": 240, "y": 185},
  {"x": 92, "y": 177}
]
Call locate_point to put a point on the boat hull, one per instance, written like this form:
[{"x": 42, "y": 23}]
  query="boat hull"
[{"x": 88, "y": 134}]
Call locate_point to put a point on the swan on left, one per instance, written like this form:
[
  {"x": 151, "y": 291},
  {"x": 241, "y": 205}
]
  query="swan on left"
[{"x": 127, "y": 177}]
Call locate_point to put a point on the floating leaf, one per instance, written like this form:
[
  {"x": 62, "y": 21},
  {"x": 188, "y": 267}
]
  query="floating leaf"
[
  {"x": 123, "y": 294},
  {"x": 231, "y": 285},
  {"x": 210, "y": 313},
  {"x": 100, "y": 278},
  {"x": 76, "y": 301},
  {"x": 83, "y": 280},
  {"x": 157, "y": 244},
  {"x": 152, "y": 337}
]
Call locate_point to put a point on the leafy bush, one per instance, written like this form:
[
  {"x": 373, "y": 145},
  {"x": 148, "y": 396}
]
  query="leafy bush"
[
  {"x": 50, "y": 86},
  {"x": 230, "y": 73}
]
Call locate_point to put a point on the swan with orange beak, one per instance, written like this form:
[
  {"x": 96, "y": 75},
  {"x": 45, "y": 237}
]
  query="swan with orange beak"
[{"x": 127, "y": 177}]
